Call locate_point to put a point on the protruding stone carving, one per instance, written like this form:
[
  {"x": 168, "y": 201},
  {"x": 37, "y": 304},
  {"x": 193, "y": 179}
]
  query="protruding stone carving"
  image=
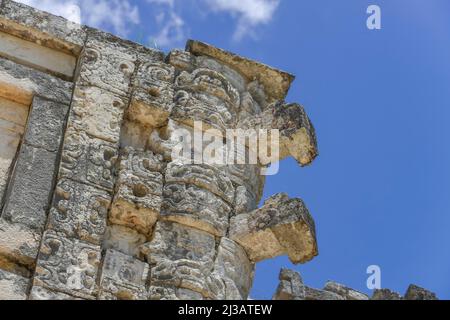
[
  {"x": 281, "y": 226},
  {"x": 417, "y": 293},
  {"x": 79, "y": 211},
  {"x": 386, "y": 294}
]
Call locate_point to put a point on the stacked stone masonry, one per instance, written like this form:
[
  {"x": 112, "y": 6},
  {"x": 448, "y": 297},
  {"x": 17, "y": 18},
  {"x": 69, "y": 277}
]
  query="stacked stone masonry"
[{"x": 94, "y": 206}]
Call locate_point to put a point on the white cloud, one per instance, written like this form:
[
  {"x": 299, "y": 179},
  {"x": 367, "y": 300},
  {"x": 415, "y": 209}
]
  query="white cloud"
[
  {"x": 172, "y": 28},
  {"x": 116, "y": 15},
  {"x": 120, "y": 16},
  {"x": 249, "y": 13}
]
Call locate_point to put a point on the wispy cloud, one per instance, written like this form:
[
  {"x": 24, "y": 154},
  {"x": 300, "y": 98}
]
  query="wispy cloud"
[
  {"x": 121, "y": 16},
  {"x": 115, "y": 15},
  {"x": 249, "y": 13}
]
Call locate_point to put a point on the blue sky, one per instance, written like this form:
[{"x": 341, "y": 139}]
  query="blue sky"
[{"x": 380, "y": 101}]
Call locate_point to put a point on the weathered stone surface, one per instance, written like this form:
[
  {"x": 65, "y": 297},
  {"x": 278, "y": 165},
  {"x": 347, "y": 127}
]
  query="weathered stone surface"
[
  {"x": 153, "y": 94},
  {"x": 204, "y": 176},
  {"x": 19, "y": 247},
  {"x": 180, "y": 256},
  {"x": 20, "y": 84},
  {"x": 41, "y": 27},
  {"x": 196, "y": 207},
  {"x": 98, "y": 112},
  {"x": 79, "y": 211},
  {"x": 68, "y": 266},
  {"x": 205, "y": 96},
  {"x": 12, "y": 286},
  {"x": 315, "y": 294},
  {"x": 291, "y": 286},
  {"x": 109, "y": 62},
  {"x": 281, "y": 226},
  {"x": 234, "y": 269},
  {"x": 123, "y": 277},
  {"x": 173, "y": 293},
  {"x": 46, "y": 124},
  {"x": 13, "y": 118},
  {"x": 417, "y": 293},
  {"x": 275, "y": 82},
  {"x": 343, "y": 291},
  {"x": 88, "y": 160},
  {"x": 123, "y": 239},
  {"x": 31, "y": 188},
  {"x": 385, "y": 294},
  {"x": 41, "y": 293},
  {"x": 138, "y": 197},
  {"x": 296, "y": 132}
]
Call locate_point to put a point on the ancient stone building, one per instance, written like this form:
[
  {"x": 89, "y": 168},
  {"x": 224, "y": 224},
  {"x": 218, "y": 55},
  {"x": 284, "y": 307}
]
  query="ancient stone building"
[{"x": 95, "y": 206}]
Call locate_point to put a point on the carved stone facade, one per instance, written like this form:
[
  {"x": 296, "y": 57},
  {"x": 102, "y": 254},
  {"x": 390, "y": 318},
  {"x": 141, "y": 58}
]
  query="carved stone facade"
[{"x": 94, "y": 206}]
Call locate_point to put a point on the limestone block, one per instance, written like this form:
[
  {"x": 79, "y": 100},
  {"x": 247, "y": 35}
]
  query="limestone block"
[
  {"x": 42, "y": 27},
  {"x": 152, "y": 98},
  {"x": 343, "y": 291},
  {"x": 138, "y": 197},
  {"x": 79, "y": 211},
  {"x": 315, "y": 294},
  {"x": 281, "y": 226},
  {"x": 12, "y": 286},
  {"x": 291, "y": 286},
  {"x": 173, "y": 293},
  {"x": 180, "y": 256},
  {"x": 233, "y": 267},
  {"x": 275, "y": 82},
  {"x": 385, "y": 294},
  {"x": 205, "y": 96},
  {"x": 182, "y": 60},
  {"x": 417, "y": 293},
  {"x": 88, "y": 160},
  {"x": 245, "y": 201},
  {"x": 46, "y": 124},
  {"x": 19, "y": 247},
  {"x": 67, "y": 265},
  {"x": 204, "y": 176},
  {"x": 109, "y": 62},
  {"x": 13, "y": 117},
  {"x": 31, "y": 187},
  {"x": 48, "y": 60},
  {"x": 123, "y": 277},
  {"x": 123, "y": 239},
  {"x": 98, "y": 112},
  {"x": 41, "y": 293},
  {"x": 196, "y": 207},
  {"x": 20, "y": 84}
]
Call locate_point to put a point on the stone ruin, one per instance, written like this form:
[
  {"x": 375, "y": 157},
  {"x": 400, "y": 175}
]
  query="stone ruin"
[{"x": 94, "y": 206}]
